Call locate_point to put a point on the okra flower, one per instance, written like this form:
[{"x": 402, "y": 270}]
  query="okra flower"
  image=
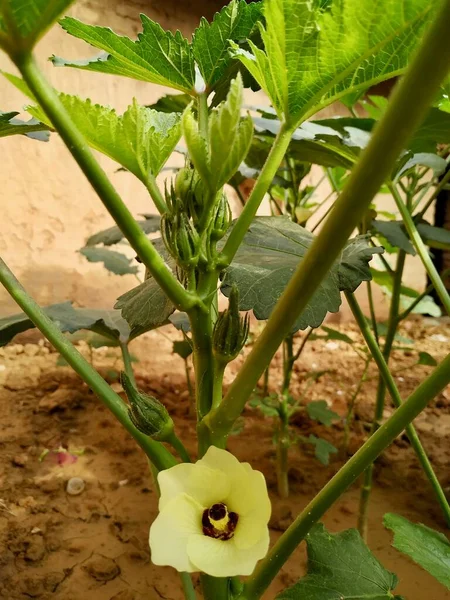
[{"x": 213, "y": 517}]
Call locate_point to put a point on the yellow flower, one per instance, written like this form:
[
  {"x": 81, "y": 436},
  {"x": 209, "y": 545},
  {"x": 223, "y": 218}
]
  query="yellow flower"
[{"x": 213, "y": 517}]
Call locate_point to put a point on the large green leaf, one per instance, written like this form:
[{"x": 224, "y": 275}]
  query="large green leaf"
[
  {"x": 113, "y": 235},
  {"x": 313, "y": 57},
  {"x": 395, "y": 234},
  {"x": 141, "y": 140},
  {"x": 23, "y": 22},
  {"x": 161, "y": 57},
  {"x": 9, "y": 125},
  {"x": 145, "y": 306},
  {"x": 341, "y": 567},
  {"x": 69, "y": 320},
  {"x": 116, "y": 262},
  {"x": 269, "y": 255},
  {"x": 435, "y": 237},
  {"x": 428, "y": 548},
  {"x": 211, "y": 41}
]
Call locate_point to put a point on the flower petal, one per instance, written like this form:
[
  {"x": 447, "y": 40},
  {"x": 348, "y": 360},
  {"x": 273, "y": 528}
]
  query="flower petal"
[
  {"x": 249, "y": 531},
  {"x": 171, "y": 530},
  {"x": 252, "y": 497},
  {"x": 206, "y": 485},
  {"x": 222, "y": 558}
]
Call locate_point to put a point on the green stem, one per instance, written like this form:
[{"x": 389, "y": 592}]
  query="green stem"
[
  {"x": 204, "y": 366},
  {"x": 263, "y": 183},
  {"x": 218, "y": 383},
  {"x": 366, "y": 487},
  {"x": 265, "y": 390},
  {"x": 215, "y": 588},
  {"x": 282, "y": 460},
  {"x": 373, "y": 315},
  {"x": 156, "y": 452},
  {"x": 288, "y": 363},
  {"x": 351, "y": 407},
  {"x": 128, "y": 366},
  {"x": 202, "y": 107},
  {"x": 421, "y": 248},
  {"x": 397, "y": 400},
  {"x": 79, "y": 149},
  {"x": 155, "y": 194},
  {"x": 178, "y": 446},
  {"x": 402, "y": 316},
  {"x": 188, "y": 587},
  {"x": 437, "y": 190},
  {"x": 189, "y": 386},
  {"x": 268, "y": 568},
  {"x": 391, "y": 135},
  {"x": 303, "y": 344}
]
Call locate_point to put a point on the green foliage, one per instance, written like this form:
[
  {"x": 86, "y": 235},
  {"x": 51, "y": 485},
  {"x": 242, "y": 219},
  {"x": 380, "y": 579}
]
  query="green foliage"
[
  {"x": 322, "y": 448},
  {"x": 229, "y": 138},
  {"x": 313, "y": 57},
  {"x": 183, "y": 348},
  {"x": 428, "y": 548},
  {"x": 23, "y": 22},
  {"x": 115, "y": 262},
  {"x": 394, "y": 232},
  {"x": 141, "y": 140},
  {"x": 435, "y": 237},
  {"x": 69, "y": 320},
  {"x": 164, "y": 58},
  {"x": 426, "y": 359},
  {"x": 145, "y": 306},
  {"x": 341, "y": 567},
  {"x": 318, "y": 410},
  {"x": 113, "y": 235},
  {"x": 331, "y": 335},
  {"x": 267, "y": 258},
  {"x": 9, "y": 125}
]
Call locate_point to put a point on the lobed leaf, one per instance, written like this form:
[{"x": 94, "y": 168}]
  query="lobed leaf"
[
  {"x": 145, "y": 306},
  {"x": 141, "y": 140},
  {"x": 267, "y": 258},
  {"x": 322, "y": 448},
  {"x": 395, "y": 234},
  {"x": 428, "y": 548},
  {"x": 10, "y": 125},
  {"x": 117, "y": 263},
  {"x": 312, "y": 57},
  {"x": 113, "y": 235},
  {"x": 318, "y": 410},
  {"x": 341, "y": 567}
]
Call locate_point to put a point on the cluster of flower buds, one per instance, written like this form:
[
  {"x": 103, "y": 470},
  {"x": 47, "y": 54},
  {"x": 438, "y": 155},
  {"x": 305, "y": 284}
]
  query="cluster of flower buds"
[
  {"x": 222, "y": 218},
  {"x": 147, "y": 414},
  {"x": 230, "y": 330},
  {"x": 180, "y": 237}
]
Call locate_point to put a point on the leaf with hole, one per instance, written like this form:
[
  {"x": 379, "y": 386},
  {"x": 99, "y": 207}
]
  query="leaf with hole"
[
  {"x": 266, "y": 260},
  {"x": 428, "y": 548},
  {"x": 325, "y": 55},
  {"x": 318, "y": 410},
  {"x": 116, "y": 262},
  {"x": 341, "y": 567}
]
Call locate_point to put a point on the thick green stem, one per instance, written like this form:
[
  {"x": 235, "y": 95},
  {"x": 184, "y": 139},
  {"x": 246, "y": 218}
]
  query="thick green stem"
[
  {"x": 127, "y": 363},
  {"x": 282, "y": 459},
  {"x": 188, "y": 587},
  {"x": 215, "y": 588},
  {"x": 366, "y": 487},
  {"x": 156, "y": 452},
  {"x": 204, "y": 366},
  {"x": 373, "y": 315},
  {"x": 155, "y": 194},
  {"x": 288, "y": 542},
  {"x": 218, "y": 383},
  {"x": 79, "y": 149},
  {"x": 288, "y": 363},
  {"x": 263, "y": 183},
  {"x": 421, "y": 248},
  {"x": 390, "y": 136},
  {"x": 178, "y": 446},
  {"x": 397, "y": 400},
  {"x": 187, "y": 369}
]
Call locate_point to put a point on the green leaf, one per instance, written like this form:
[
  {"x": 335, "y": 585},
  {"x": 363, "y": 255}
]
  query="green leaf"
[
  {"x": 23, "y": 22},
  {"x": 229, "y": 139},
  {"x": 182, "y": 348},
  {"x": 20, "y": 84},
  {"x": 426, "y": 159},
  {"x": 435, "y": 237},
  {"x": 322, "y": 448},
  {"x": 117, "y": 263},
  {"x": 395, "y": 234},
  {"x": 172, "y": 103},
  {"x": 113, "y": 235},
  {"x": 69, "y": 320},
  {"x": 210, "y": 42},
  {"x": 145, "y": 306},
  {"x": 333, "y": 334},
  {"x": 428, "y": 548},
  {"x": 318, "y": 411},
  {"x": 341, "y": 567},
  {"x": 141, "y": 140},
  {"x": 9, "y": 125},
  {"x": 157, "y": 56},
  {"x": 426, "y": 359},
  {"x": 311, "y": 57},
  {"x": 269, "y": 255}
]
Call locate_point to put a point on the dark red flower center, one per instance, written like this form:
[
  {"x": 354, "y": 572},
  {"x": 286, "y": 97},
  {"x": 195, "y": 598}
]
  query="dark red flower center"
[{"x": 218, "y": 523}]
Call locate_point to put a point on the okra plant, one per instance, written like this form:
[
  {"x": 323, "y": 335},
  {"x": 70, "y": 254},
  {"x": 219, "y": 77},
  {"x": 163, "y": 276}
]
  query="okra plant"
[{"x": 305, "y": 55}]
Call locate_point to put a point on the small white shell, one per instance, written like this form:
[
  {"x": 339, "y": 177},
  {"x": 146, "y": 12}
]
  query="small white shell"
[{"x": 75, "y": 486}]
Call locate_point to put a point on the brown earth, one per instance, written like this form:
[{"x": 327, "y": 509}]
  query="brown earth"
[{"x": 55, "y": 546}]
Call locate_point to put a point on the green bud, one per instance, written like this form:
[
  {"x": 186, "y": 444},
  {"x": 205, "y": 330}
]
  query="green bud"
[
  {"x": 147, "y": 413},
  {"x": 231, "y": 330},
  {"x": 222, "y": 218},
  {"x": 186, "y": 242},
  {"x": 184, "y": 182}
]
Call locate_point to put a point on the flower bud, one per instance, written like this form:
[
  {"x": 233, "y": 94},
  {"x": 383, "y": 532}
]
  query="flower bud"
[
  {"x": 184, "y": 182},
  {"x": 222, "y": 218},
  {"x": 147, "y": 414},
  {"x": 186, "y": 242},
  {"x": 231, "y": 330}
]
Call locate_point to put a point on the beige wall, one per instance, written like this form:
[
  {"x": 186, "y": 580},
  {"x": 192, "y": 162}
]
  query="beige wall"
[{"x": 47, "y": 207}]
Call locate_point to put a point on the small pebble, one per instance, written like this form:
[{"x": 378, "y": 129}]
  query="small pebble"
[{"x": 75, "y": 486}]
